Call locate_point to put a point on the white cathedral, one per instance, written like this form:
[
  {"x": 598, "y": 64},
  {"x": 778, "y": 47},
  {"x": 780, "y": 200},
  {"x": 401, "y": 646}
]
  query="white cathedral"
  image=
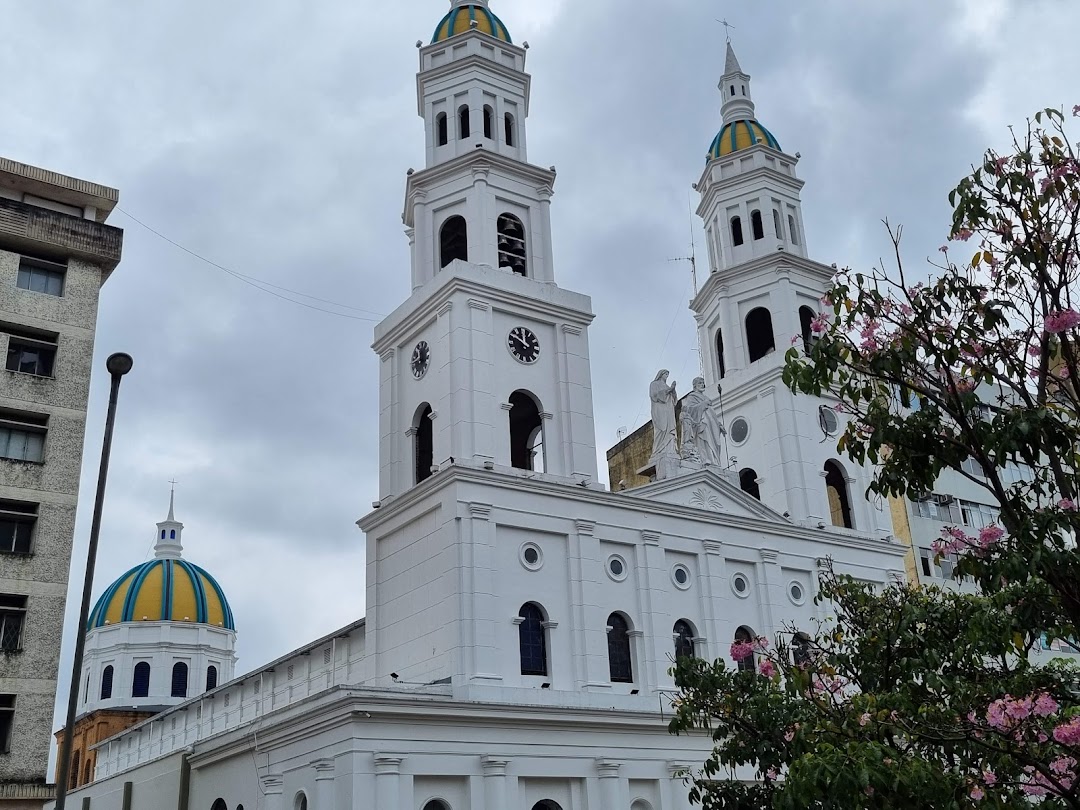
[{"x": 521, "y": 618}]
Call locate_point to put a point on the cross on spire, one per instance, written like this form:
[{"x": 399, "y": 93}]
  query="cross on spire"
[
  {"x": 727, "y": 28},
  {"x": 172, "y": 497}
]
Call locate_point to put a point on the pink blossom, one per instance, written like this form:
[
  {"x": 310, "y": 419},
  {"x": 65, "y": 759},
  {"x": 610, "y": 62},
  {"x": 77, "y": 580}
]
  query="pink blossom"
[
  {"x": 1068, "y": 504},
  {"x": 977, "y": 793},
  {"x": 864, "y": 718},
  {"x": 989, "y": 536},
  {"x": 1045, "y": 705},
  {"x": 766, "y": 668},
  {"x": 795, "y": 339},
  {"x": 1063, "y": 765},
  {"x": 943, "y": 249},
  {"x": 741, "y": 650},
  {"x": 819, "y": 324},
  {"x": 1076, "y": 110},
  {"x": 963, "y": 235},
  {"x": 1068, "y": 733},
  {"x": 1001, "y": 163},
  {"x": 1060, "y": 321},
  {"x": 989, "y": 778},
  {"x": 1018, "y": 709},
  {"x": 1034, "y": 351},
  {"x": 772, "y": 773}
]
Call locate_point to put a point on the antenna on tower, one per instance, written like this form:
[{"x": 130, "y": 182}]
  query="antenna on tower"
[{"x": 692, "y": 258}]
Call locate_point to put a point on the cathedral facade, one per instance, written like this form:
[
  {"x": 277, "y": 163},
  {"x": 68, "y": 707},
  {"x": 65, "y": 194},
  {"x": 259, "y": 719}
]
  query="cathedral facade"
[{"x": 522, "y": 619}]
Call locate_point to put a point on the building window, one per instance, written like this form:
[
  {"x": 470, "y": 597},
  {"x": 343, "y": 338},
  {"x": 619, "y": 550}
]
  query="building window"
[
  {"x": 106, "y": 682},
  {"x": 489, "y": 122},
  {"x": 73, "y": 777},
  {"x": 546, "y": 804},
  {"x": 748, "y": 482},
  {"x": 442, "y": 130},
  {"x": 179, "y": 680},
  {"x": 736, "y": 231},
  {"x": 508, "y": 125},
  {"x": 7, "y": 720},
  {"x": 300, "y": 803},
  {"x": 211, "y": 678},
  {"x": 620, "y": 663},
  {"x": 526, "y": 433},
  {"x": 88, "y": 771},
  {"x": 30, "y": 353},
  {"x": 684, "y": 639},
  {"x": 512, "y": 244},
  {"x": 720, "y": 353},
  {"x": 219, "y": 804},
  {"x": 756, "y": 225},
  {"x": 463, "y": 121},
  {"x": 793, "y": 230},
  {"x": 12, "y": 617},
  {"x": 453, "y": 241},
  {"x": 140, "y": 680},
  {"x": 759, "y": 333},
  {"x": 532, "y": 642},
  {"x": 17, "y": 519},
  {"x": 22, "y": 435},
  {"x": 806, "y": 323},
  {"x": 423, "y": 443},
  {"x": 972, "y": 467},
  {"x": 777, "y": 227},
  {"x": 38, "y": 275},
  {"x": 744, "y": 636},
  {"x": 839, "y": 500}
]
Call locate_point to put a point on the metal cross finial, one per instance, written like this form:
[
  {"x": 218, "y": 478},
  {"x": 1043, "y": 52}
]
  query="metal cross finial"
[{"x": 727, "y": 28}]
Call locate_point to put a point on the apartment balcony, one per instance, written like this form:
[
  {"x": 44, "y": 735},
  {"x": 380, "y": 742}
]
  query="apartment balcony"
[{"x": 39, "y": 230}]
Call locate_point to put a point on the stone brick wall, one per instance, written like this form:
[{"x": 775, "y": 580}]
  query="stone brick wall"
[{"x": 89, "y": 731}]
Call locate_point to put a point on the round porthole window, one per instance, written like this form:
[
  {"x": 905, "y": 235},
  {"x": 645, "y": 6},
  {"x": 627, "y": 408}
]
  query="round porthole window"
[
  {"x": 680, "y": 574},
  {"x": 830, "y": 423},
  {"x": 741, "y": 585},
  {"x": 531, "y": 556},
  {"x": 616, "y": 568},
  {"x": 796, "y": 592},
  {"x": 740, "y": 430}
]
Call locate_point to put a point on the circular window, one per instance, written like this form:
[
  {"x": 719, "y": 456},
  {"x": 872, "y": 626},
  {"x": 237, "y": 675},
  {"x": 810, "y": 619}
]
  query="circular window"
[
  {"x": 531, "y": 556},
  {"x": 681, "y": 575},
  {"x": 796, "y": 592},
  {"x": 830, "y": 423},
  {"x": 740, "y": 429},
  {"x": 741, "y": 585},
  {"x": 616, "y": 568}
]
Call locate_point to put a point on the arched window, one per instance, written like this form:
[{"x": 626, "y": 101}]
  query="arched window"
[
  {"x": 546, "y": 804},
  {"x": 300, "y": 803},
  {"x": 442, "y": 130},
  {"x": 76, "y": 763},
  {"x": 745, "y": 636},
  {"x": 436, "y": 804},
  {"x": 793, "y": 230},
  {"x": 526, "y": 433},
  {"x": 172, "y": 534},
  {"x": 140, "y": 680},
  {"x": 463, "y": 121},
  {"x": 748, "y": 482},
  {"x": 88, "y": 772},
  {"x": 106, "y": 682},
  {"x": 423, "y": 443},
  {"x": 508, "y": 125},
  {"x": 732, "y": 90},
  {"x": 453, "y": 241},
  {"x": 489, "y": 122},
  {"x": 512, "y": 254},
  {"x": 211, "y": 678},
  {"x": 162, "y": 534},
  {"x": 756, "y": 225},
  {"x": 720, "y": 353},
  {"x": 640, "y": 804},
  {"x": 219, "y": 804},
  {"x": 800, "y": 649},
  {"x": 777, "y": 227},
  {"x": 179, "y": 680},
  {"x": 736, "y": 231},
  {"x": 837, "y": 490},
  {"x": 684, "y": 639},
  {"x": 806, "y": 322},
  {"x": 759, "y": 333},
  {"x": 618, "y": 649},
  {"x": 531, "y": 640}
]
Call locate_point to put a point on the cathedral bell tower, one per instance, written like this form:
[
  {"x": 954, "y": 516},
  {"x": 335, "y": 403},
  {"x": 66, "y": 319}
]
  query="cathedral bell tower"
[
  {"x": 487, "y": 363},
  {"x": 760, "y": 298}
]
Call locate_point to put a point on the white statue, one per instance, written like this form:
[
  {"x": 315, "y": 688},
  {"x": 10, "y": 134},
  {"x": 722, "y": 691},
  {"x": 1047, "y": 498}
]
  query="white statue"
[
  {"x": 701, "y": 430},
  {"x": 665, "y": 455}
]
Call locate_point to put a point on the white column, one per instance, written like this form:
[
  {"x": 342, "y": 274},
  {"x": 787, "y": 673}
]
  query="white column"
[
  {"x": 771, "y": 591},
  {"x": 273, "y": 788},
  {"x": 583, "y": 529},
  {"x": 494, "y": 768},
  {"x": 675, "y": 792},
  {"x": 654, "y": 620},
  {"x": 542, "y": 262},
  {"x": 425, "y": 261},
  {"x": 482, "y": 239},
  {"x": 387, "y": 781},
  {"x": 478, "y": 600},
  {"x": 324, "y": 784},
  {"x": 713, "y": 597},
  {"x": 608, "y": 771},
  {"x": 481, "y": 382}
]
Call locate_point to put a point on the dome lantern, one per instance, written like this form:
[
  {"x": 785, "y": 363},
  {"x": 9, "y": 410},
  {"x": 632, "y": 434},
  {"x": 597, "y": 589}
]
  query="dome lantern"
[
  {"x": 470, "y": 15},
  {"x": 741, "y": 130}
]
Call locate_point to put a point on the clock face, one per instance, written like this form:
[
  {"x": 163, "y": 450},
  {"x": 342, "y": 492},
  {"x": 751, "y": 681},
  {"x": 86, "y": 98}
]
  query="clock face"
[
  {"x": 421, "y": 358},
  {"x": 523, "y": 344}
]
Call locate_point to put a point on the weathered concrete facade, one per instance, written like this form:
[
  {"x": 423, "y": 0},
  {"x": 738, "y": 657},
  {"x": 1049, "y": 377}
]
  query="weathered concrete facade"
[{"x": 55, "y": 253}]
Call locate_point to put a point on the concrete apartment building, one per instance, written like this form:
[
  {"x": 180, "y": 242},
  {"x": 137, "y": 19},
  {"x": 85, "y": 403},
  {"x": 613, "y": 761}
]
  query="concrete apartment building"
[{"x": 55, "y": 253}]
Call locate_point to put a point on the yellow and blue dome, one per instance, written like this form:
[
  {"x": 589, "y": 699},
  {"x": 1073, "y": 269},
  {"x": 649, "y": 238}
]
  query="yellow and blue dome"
[
  {"x": 460, "y": 20},
  {"x": 740, "y": 135},
  {"x": 163, "y": 590}
]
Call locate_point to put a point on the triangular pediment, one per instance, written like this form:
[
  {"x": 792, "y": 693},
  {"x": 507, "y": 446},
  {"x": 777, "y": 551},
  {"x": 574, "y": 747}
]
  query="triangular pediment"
[{"x": 708, "y": 490}]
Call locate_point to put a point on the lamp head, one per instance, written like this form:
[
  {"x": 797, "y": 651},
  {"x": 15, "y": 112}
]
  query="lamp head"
[{"x": 119, "y": 364}]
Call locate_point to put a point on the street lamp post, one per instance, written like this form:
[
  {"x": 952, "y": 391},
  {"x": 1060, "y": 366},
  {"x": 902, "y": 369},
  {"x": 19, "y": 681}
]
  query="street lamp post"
[{"x": 118, "y": 365}]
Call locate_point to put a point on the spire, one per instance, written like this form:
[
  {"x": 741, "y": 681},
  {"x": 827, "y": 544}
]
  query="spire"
[
  {"x": 735, "y": 90},
  {"x": 168, "y": 545}
]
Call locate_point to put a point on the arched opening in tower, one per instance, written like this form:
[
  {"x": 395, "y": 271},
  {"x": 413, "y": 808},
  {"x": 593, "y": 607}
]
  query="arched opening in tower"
[
  {"x": 454, "y": 241},
  {"x": 759, "y": 333},
  {"x": 512, "y": 254},
  {"x": 806, "y": 322},
  {"x": 423, "y": 443},
  {"x": 526, "y": 433},
  {"x": 748, "y": 482},
  {"x": 836, "y": 487}
]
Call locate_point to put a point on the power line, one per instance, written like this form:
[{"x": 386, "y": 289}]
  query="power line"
[{"x": 258, "y": 283}]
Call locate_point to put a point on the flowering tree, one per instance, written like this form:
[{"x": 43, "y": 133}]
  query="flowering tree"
[{"x": 915, "y": 698}]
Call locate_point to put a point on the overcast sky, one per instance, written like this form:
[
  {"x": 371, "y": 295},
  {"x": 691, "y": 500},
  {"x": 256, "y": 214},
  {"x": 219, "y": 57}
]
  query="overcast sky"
[{"x": 273, "y": 137}]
